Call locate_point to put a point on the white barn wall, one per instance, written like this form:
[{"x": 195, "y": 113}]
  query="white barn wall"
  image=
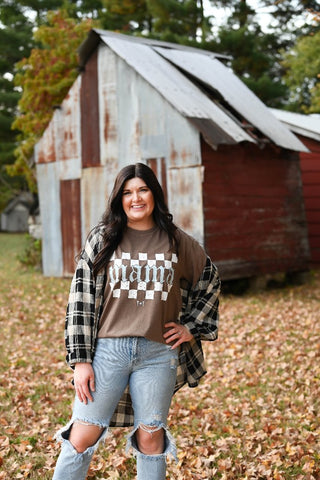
[
  {"x": 108, "y": 107},
  {"x": 68, "y": 128},
  {"x": 60, "y": 149},
  {"x": 96, "y": 186},
  {"x": 50, "y": 208}
]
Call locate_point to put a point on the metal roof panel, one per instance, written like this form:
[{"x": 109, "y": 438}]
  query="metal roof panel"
[
  {"x": 220, "y": 78},
  {"x": 157, "y": 43},
  {"x": 179, "y": 91},
  {"x": 306, "y": 125}
]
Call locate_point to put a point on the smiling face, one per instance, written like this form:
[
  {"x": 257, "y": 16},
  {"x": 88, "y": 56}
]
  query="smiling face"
[{"x": 138, "y": 204}]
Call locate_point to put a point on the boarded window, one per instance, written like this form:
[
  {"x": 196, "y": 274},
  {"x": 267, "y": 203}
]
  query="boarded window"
[{"x": 70, "y": 223}]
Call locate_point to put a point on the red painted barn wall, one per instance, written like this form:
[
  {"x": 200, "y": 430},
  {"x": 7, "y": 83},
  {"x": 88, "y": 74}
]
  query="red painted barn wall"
[
  {"x": 310, "y": 168},
  {"x": 89, "y": 101},
  {"x": 254, "y": 213}
]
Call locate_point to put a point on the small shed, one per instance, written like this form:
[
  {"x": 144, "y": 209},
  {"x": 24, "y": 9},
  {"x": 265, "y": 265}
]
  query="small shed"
[
  {"x": 229, "y": 168},
  {"x": 14, "y": 217},
  {"x": 307, "y": 129}
]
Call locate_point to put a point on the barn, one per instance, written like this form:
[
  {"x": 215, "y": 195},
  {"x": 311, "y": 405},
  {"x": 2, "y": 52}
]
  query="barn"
[
  {"x": 229, "y": 168},
  {"x": 15, "y": 216},
  {"x": 307, "y": 129}
]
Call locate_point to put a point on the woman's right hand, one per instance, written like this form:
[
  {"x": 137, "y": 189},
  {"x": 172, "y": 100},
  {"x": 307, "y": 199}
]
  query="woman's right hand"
[{"x": 84, "y": 381}]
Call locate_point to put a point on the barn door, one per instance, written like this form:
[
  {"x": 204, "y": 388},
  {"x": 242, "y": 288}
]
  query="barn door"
[
  {"x": 70, "y": 223},
  {"x": 185, "y": 199}
]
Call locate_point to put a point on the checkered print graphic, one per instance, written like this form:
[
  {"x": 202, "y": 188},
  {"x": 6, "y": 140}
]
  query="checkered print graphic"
[{"x": 143, "y": 277}]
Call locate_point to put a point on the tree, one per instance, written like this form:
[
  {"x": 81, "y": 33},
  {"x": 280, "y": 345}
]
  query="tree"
[
  {"x": 302, "y": 76},
  {"x": 180, "y": 21},
  {"x": 45, "y": 78},
  {"x": 125, "y": 16},
  {"x": 18, "y": 19},
  {"x": 289, "y": 18},
  {"x": 256, "y": 54},
  {"x": 15, "y": 42}
]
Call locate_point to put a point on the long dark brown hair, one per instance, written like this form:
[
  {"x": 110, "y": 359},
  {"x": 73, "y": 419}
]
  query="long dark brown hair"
[{"x": 115, "y": 220}]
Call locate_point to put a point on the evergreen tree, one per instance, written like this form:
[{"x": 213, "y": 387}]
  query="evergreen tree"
[
  {"x": 255, "y": 60},
  {"x": 125, "y": 16},
  {"x": 15, "y": 42},
  {"x": 18, "y": 19},
  {"x": 256, "y": 55},
  {"x": 45, "y": 78},
  {"x": 289, "y": 18},
  {"x": 175, "y": 20},
  {"x": 302, "y": 76},
  {"x": 180, "y": 21}
]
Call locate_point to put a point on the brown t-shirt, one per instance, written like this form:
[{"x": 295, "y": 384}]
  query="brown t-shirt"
[{"x": 142, "y": 291}]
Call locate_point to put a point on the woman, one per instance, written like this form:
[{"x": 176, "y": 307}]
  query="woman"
[{"x": 143, "y": 296}]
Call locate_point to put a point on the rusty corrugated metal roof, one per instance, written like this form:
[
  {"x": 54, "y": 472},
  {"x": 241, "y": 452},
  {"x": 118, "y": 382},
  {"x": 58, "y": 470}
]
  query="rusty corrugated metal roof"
[
  {"x": 221, "y": 79},
  {"x": 161, "y": 64},
  {"x": 94, "y": 36},
  {"x": 306, "y": 125},
  {"x": 179, "y": 91}
]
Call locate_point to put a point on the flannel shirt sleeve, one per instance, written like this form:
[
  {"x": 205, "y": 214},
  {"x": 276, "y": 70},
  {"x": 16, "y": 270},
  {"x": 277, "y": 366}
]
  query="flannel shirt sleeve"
[
  {"x": 80, "y": 316},
  {"x": 201, "y": 312}
]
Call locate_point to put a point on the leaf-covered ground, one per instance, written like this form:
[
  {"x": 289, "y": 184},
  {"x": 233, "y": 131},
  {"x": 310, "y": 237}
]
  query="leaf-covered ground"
[{"x": 255, "y": 415}]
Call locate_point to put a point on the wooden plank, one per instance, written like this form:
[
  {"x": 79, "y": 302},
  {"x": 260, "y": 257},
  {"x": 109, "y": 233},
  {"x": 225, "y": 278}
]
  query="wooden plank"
[
  {"x": 313, "y": 217},
  {"x": 90, "y": 143},
  {"x": 311, "y": 178},
  {"x": 314, "y": 241},
  {"x": 313, "y": 203},
  {"x": 70, "y": 223},
  {"x": 315, "y": 252},
  {"x": 314, "y": 229},
  {"x": 230, "y": 201},
  {"x": 310, "y": 164},
  {"x": 159, "y": 168},
  {"x": 312, "y": 144},
  {"x": 311, "y": 190}
]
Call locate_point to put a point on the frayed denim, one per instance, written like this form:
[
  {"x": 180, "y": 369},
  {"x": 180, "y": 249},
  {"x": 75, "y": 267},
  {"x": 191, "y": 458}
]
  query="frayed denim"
[
  {"x": 71, "y": 464},
  {"x": 150, "y": 370},
  {"x": 152, "y": 467}
]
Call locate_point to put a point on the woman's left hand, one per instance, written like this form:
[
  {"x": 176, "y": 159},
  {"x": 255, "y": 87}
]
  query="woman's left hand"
[{"x": 177, "y": 333}]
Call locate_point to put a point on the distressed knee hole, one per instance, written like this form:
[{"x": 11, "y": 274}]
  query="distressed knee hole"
[
  {"x": 150, "y": 428},
  {"x": 82, "y": 435},
  {"x": 150, "y": 439},
  {"x": 168, "y": 447},
  {"x": 87, "y": 424}
]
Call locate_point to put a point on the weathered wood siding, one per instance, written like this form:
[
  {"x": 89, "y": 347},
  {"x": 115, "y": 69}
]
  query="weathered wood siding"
[
  {"x": 70, "y": 223},
  {"x": 310, "y": 168},
  {"x": 90, "y": 114},
  {"x": 254, "y": 213}
]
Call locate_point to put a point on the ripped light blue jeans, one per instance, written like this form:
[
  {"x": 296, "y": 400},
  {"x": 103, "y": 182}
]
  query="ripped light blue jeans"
[{"x": 150, "y": 370}]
